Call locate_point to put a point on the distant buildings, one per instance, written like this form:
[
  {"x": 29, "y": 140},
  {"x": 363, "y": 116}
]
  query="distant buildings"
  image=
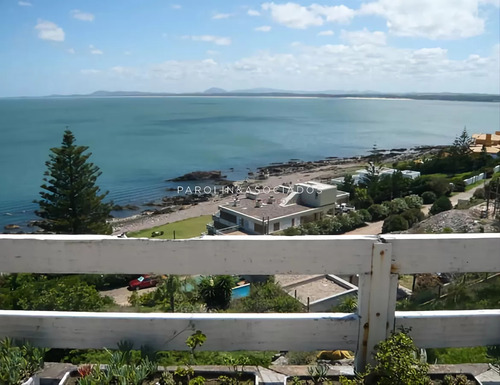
[
  {"x": 361, "y": 176},
  {"x": 490, "y": 143},
  {"x": 265, "y": 211}
]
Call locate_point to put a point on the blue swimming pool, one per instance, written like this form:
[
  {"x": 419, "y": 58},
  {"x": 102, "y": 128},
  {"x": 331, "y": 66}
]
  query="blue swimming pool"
[{"x": 240, "y": 291}]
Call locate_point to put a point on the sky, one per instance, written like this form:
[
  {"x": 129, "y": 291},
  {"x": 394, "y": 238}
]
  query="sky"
[{"x": 81, "y": 46}]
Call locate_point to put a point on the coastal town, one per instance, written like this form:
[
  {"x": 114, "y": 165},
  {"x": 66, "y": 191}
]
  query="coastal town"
[
  {"x": 382, "y": 194},
  {"x": 250, "y": 193},
  {"x": 273, "y": 191}
]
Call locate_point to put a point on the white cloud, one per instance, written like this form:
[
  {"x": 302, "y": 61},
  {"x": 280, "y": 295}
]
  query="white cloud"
[
  {"x": 128, "y": 53},
  {"x": 219, "y": 16},
  {"x": 496, "y": 3},
  {"x": 294, "y": 15},
  {"x": 83, "y": 16},
  {"x": 48, "y": 30},
  {"x": 329, "y": 66},
  {"x": 90, "y": 72},
  {"x": 264, "y": 28},
  {"x": 176, "y": 6},
  {"x": 253, "y": 12},
  {"x": 71, "y": 51},
  {"x": 24, "y": 3},
  {"x": 124, "y": 71},
  {"x": 212, "y": 52},
  {"x": 218, "y": 40},
  {"x": 443, "y": 19},
  {"x": 326, "y": 33},
  {"x": 364, "y": 37},
  {"x": 94, "y": 50}
]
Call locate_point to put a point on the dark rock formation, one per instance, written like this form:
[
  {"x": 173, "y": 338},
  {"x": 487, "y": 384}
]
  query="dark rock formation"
[{"x": 199, "y": 175}]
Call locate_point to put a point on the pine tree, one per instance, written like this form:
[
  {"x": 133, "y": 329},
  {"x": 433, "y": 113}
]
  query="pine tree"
[
  {"x": 71, "y": 202},
  {"x": 461, "y": 144}
]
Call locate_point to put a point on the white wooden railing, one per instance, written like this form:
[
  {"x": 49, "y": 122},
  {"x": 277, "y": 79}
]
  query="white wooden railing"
[{"x": 377, "y": 259}]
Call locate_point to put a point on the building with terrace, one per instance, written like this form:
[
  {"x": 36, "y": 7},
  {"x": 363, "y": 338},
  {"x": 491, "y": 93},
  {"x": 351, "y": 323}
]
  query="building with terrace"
[
  {"x": 361, "y": 176},
  {"x": 486, "y": 142},
  {"x": 265, "y": 211}
]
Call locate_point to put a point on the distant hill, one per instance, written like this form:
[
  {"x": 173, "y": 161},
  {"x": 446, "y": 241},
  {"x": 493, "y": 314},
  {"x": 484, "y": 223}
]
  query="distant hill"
[
  {"x": 215, "y": 90},
  {"x": 298, "y": 92},
  {"x": 256, "y": 92}
]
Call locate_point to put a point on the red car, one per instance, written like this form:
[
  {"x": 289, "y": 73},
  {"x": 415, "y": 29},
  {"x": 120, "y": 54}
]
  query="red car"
[{"x": 143, "y": 282}]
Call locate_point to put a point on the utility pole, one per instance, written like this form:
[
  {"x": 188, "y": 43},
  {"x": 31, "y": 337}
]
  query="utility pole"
[
  {"x": 487, "y": 193},
  {"x": 496, "y": 200}
]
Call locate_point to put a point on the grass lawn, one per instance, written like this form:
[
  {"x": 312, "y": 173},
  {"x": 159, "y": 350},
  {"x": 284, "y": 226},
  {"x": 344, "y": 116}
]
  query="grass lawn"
[
  {"x": 188, "y": 228},
  {"x": 406, "y": 281}
]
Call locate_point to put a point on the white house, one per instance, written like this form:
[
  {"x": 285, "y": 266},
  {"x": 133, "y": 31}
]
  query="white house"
[{"x": 269, "y": 210}]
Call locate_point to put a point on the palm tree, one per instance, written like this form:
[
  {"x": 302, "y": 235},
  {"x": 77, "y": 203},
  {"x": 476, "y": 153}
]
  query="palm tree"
[{"x": 168, "y": 290}]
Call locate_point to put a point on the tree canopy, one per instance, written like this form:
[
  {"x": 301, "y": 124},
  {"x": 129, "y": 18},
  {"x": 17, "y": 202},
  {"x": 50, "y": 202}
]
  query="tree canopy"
[{"x": 71, "y": 203}]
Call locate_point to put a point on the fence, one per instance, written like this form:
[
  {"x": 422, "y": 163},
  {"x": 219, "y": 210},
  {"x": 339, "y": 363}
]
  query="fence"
[
  {"x": 474, "y": 179},
  {"x": 377, "y": 260}
]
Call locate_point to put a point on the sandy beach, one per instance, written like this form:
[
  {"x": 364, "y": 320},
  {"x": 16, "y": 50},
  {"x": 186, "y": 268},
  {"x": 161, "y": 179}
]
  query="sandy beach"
[{"x": 141, "y": 222}]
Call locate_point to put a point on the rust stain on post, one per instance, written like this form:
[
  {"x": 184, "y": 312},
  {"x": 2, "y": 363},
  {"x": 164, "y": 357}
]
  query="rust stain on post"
[
  {"x": 366, "y": 329},
  {"x": 395, "y": 268}
]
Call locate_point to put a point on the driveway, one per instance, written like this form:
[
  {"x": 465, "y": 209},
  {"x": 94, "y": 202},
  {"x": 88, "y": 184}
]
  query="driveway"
[{"x": 120, "y": 295}]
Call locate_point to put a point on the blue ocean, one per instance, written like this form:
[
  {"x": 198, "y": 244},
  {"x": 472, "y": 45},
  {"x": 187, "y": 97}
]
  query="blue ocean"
[{"x": 138, "y": 143}]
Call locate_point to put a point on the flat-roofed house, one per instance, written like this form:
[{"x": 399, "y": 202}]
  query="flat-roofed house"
[
  {"x": 265, "y": 211},
  {"x": 486, "y": 142}
]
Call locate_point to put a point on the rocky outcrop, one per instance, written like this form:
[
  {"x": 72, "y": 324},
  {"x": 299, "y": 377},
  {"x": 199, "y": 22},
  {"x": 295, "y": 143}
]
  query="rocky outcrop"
[
  {"x": 125, "y": 207},
  {"x": 12, "y": 227},
  {"x": 199, "y": 175}
]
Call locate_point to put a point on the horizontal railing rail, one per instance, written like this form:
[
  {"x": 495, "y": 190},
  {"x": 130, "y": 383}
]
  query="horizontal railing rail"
[{"x": 377, "y": 259}]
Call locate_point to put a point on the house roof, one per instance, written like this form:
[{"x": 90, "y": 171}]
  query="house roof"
[
  {"x": 495, "y": 138},
  {"x": 246, "y": 206},
  {"x": 489, "y": 149}
]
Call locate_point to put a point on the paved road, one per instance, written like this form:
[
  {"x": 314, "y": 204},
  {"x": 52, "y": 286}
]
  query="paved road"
[{"x": 376, "y": 227}]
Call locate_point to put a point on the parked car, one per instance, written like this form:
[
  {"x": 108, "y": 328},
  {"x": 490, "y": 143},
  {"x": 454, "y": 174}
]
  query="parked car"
[{"x": 143, "y": 282}]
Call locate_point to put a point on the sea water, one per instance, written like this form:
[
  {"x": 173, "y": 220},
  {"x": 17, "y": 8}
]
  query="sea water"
[{"x": 139, "y": 142}]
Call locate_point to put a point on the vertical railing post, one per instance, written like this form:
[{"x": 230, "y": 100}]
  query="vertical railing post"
[{"x": 376, "y": 303}]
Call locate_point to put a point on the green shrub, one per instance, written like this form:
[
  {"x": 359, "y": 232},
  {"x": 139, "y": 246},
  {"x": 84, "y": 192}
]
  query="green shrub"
[
  {"x": 291, "y": 231},
  {"x": 441, "y": 204},
  {"x": 414, "y": 201},
  {"x": 395, "y": 223},
  {"x": 17, "y": 364},
  {"x": 66, "y": 293},
  {"x": 362, "y": 200},
  {"x": 396, "y": 363},
  {"x": 215, "y": 291},
  {"x": 378, "y": 212},
  {"x": 396, "y": 206},
  {"x": 413, "y": 216},
  {"x": 458, "y": 185},
  {"x": 265, "y": 298},
  {"x": 365, "y": 215},
  {"x": 355, "y": 220},
  {"x": 440, "y": 186},
  {"x": 428, "y": 197}
]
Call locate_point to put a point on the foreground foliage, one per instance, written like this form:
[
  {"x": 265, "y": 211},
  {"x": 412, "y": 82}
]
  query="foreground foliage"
[
  {"x": 124, "y": 367},
  {"x": 267, "y": 297},
  {"x": 42, "y": 292},
  {"x": 396, "y": 363},
  {"x": 17, "y": 364}
]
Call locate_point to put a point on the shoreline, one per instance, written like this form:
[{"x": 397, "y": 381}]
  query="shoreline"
[{"x": 321, "y": 171}]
